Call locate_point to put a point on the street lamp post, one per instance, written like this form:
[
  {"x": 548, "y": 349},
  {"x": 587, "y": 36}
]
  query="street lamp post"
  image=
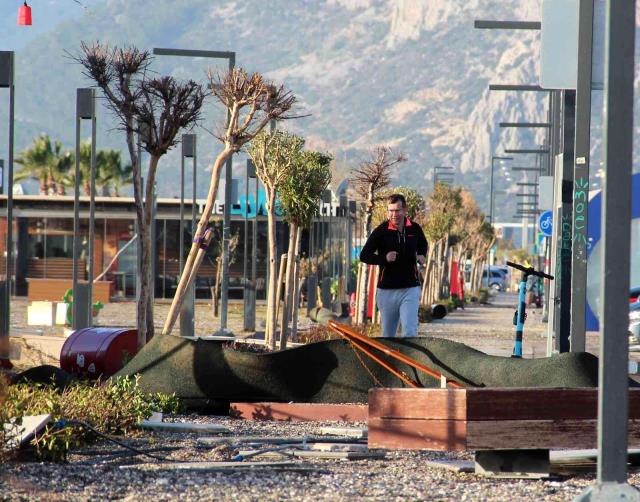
[
  {"x": 493, "y": 160},
  {"x": 613, "y": 378},
  {"x": 226, "y": 226},
  {"x": 7, "y": 82},
  {"x": 187, "y": 309},
  {"x": 82, "y": 292},
  {"x": 442, "y": 174},
  {"x": 249, "y": 295}
]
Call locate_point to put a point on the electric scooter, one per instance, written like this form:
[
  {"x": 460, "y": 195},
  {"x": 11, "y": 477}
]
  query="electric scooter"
[{"x": 520, "y": 315}]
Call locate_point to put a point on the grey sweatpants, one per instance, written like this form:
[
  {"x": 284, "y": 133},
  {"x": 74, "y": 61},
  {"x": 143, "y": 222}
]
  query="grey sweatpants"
[{"x": 399, "y": 306}]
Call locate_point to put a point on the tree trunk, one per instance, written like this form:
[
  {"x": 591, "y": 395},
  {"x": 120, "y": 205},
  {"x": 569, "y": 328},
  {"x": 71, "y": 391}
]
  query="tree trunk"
[
  {"x": 216, "y": 287},
  {"x": 296, "y": 287},
  {"x": 189, "y": 271},
  {"x": 270, "y": 329},
  {"x": 287, "y": 307},
  {"x": 146, "y": 295},
  {"x": 427, "y": 277}
]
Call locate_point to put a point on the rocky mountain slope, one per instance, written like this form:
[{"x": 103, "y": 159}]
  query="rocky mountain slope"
[{"x": 412, "y": 74}]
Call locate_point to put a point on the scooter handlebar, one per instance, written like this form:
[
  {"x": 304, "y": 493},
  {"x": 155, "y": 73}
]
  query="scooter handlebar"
[{"x": 529, "y": 270}]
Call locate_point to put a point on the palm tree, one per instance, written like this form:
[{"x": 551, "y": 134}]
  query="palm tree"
[
  {"x": 110, "y": 173},
  {"x": 45, "y": 161}
]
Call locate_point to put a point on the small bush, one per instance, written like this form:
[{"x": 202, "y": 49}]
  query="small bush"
[
  {"x": 114, "y": 407},
  {"x": 424, "y": 313},
  {"x": 483, "y": 295},
  {"x": 456, "y": 302},
  {"x": 316, "y": 333}
]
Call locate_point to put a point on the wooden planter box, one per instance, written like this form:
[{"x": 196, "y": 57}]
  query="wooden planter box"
[{"x": 489, "y": 419}]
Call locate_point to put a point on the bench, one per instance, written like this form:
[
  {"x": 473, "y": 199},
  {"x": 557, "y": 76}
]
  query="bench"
[
  {"x": 52, "y": 290},
  {"x": 490, "y": 420},
  {"x": 54, "y": 268}
]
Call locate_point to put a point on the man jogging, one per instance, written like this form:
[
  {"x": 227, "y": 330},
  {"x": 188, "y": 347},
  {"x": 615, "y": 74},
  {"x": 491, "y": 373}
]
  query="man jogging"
[{"x": 395, "y": 246}]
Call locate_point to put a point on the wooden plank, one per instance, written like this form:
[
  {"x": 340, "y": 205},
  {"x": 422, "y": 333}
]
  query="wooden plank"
[
  {"x": 418, "y": 403},
  {"x": 539, "y": 404},
  {"x": 490, "y": 404},
  {"x": 535, "y": 434},
  {"x": 300, "y": 411},
  {"x": 411, "y": 434}
]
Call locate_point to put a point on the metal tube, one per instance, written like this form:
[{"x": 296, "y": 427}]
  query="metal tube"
[
  {"x": 581, "y": 179},
  {"x": 226, "y": 229},
  {"x": 76, "y": 223},
  {"x": 5, "y": 325},
  {"x": 92, "y": 216},
  {"x": 181, "y": 222},
  {"x": 613, "y": 395}
]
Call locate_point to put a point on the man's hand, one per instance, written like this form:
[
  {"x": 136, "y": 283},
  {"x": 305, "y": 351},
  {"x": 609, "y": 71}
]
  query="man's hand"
[
  {"x": 421, "y": 259},
  {"x": 391, "y": 256}
]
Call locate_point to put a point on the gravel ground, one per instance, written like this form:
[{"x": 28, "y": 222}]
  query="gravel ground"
[{"x": 400, "y": 476}]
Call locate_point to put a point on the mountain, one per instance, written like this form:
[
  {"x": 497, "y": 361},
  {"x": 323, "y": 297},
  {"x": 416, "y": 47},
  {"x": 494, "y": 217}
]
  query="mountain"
[{"x": 412, "y": 74}]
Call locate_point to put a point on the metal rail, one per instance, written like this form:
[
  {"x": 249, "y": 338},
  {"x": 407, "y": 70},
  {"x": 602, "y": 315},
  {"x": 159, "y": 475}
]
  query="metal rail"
[{"x": 364, "y": 343}]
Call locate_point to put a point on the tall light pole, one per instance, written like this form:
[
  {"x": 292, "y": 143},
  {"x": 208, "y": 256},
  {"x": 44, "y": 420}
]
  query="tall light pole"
[
  {"x": 613, "y": 378},
  {"x": 226, "y": 225},
  {"x": 187, "y": 309},
  {"x": 493, "y": 161},
  {"x": 82, "y": 292},
  {"x": 442, "y": 174},
  {"x": 6, "y": 82}
]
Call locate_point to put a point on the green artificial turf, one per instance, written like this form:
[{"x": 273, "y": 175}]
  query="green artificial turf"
[{"x": 332, "y": 372}]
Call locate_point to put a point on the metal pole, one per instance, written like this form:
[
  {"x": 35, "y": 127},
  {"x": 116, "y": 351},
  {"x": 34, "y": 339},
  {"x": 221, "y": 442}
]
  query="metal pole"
[
  {"x": 565, "y": 186},
  {"x": 92, "y": 213},
  {"x": 226, "y": 230},
  {"x": 181, "y": 222},
  {"x": 5, "y": 325},
  {"x": 245, "y": 264},
  {"x": 491, "y": 192},
  {"x": 616, "y": 235},
  {"x": 581, "y": 179},
  {"x": 76, "y": 216},
  {"x": 251, "y": 318}
]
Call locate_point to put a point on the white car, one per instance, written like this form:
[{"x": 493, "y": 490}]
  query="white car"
[{"x": 634, "y": 321}]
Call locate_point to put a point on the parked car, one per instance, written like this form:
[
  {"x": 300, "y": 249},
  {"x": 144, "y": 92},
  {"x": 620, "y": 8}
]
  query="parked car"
[{"x": 497, "y": 280}]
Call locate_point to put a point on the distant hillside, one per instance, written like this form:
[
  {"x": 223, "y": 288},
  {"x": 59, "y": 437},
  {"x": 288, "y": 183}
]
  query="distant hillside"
[{"x": 411, "y": 74}]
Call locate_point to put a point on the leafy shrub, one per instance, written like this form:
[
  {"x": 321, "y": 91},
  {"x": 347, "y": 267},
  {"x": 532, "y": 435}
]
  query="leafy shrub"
[
  {"x": 456, "y": 302},
  {"x": 424, "y": 313},
  {"x": 114, "y": 407},
  {"x": 316, "y": 333}
]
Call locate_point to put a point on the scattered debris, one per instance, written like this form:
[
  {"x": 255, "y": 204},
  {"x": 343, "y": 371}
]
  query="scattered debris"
[
  {"x": 221, "y": 466},
  {"x": 20, "y": 432},
  {"x": 352, "y": 432},
  {"x": 457, "y": 466},
  {"x": 183, "y": 427},
  {"x": 212, "y": 442},
  {"x": 323, "y": 455}
]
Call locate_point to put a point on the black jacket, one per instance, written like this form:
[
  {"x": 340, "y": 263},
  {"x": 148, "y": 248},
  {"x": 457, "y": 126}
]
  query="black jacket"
[{"x": 403, "y": 272}]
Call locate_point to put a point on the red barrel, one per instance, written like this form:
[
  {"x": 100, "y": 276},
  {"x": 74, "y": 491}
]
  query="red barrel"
[{"x": 95, "y": 352}]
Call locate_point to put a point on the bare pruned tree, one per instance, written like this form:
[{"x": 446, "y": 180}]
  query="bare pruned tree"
[
  {"x": 251, "y": 103},
  {"x": 155, "y": 110},
  {"x": 374, "y": 175}
]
